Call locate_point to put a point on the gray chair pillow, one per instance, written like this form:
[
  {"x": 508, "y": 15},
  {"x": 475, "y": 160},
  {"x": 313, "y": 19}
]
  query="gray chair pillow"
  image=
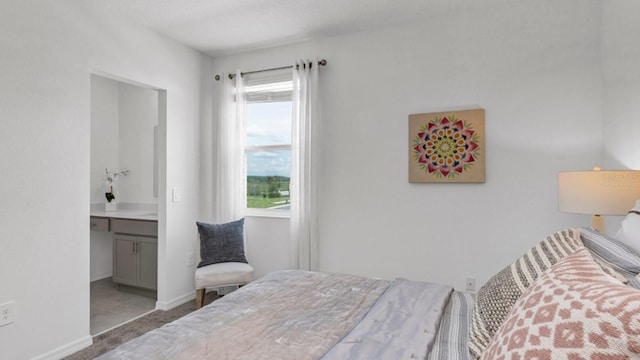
[{"x": 221, "y": 242}]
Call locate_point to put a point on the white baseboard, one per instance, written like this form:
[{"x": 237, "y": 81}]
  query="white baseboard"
[
  {"x": 161, "y": 305},
  {"x": 66, "y": 350}
]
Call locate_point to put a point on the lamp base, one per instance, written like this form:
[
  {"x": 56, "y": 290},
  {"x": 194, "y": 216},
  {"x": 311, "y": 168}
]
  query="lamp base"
[{"x": 597, "y": 222}]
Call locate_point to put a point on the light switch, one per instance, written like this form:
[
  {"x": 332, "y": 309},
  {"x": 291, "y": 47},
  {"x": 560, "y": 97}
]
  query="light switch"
[{"x": 177, "y": 195}]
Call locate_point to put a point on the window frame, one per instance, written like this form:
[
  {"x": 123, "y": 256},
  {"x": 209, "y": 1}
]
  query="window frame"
[{"x": 260, "y": 82}]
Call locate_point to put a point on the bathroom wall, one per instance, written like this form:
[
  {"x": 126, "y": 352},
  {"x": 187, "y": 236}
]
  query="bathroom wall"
[
  {"x": 123, "y": 117},
  {"x": 138, "y": 116},
  {"x": 105, "y": 152}
]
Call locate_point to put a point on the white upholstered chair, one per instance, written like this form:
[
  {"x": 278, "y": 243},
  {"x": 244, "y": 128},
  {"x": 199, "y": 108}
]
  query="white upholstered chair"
[
  {"x": 223, "y": 259},
  {"x": 221, "y": 274}
]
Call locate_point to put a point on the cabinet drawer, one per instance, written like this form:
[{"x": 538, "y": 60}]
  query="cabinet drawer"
[
  {"x": 99, "y": 224},
  {"x": 137, "y": 227}
]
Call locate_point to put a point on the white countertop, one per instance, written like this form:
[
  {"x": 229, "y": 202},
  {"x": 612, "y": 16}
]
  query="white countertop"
[{"x": 127, "y": 211}]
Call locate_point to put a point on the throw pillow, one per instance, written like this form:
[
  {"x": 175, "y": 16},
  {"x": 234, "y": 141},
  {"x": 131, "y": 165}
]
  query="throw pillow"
[
  {"x": 606, "y": 267},
  {"x": 629, "y": 232},
  {"x": 221, "y": 242},
  {"x": 618, "y": 254},
  {"x": 573, "y": 311},
  {"x": 496, "y": 297}
]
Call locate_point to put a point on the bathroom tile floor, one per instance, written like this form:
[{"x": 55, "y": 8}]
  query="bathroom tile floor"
[{"x": 110, "y": 307}]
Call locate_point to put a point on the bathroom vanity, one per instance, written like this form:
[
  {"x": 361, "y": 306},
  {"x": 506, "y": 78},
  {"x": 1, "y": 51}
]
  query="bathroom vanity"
[{"x": 135, "y": 245}]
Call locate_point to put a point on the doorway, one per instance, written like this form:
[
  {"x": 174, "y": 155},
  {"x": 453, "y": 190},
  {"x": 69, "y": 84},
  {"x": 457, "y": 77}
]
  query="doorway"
[{"x": 126, "y": 119}]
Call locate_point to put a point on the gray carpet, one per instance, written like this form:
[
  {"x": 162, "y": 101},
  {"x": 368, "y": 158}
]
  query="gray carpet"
[{"x": 111, "y": 339}]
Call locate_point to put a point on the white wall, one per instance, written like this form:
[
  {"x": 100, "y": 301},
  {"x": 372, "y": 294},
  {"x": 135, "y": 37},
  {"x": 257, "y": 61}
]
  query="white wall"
[
  {"x": 533, "y": 66},
  {"x": 47, "y": 52},
  {"x": 267, "y": 241},
  {"x": 620, "y": 59},
  {"x": 621, "y": 104}
]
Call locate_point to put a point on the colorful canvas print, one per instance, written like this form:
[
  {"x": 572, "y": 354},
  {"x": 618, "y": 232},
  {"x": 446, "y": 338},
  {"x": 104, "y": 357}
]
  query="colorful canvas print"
[{"x": 447, "y": 147}]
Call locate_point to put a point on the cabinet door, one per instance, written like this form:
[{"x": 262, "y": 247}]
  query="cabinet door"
[
  {"x": 124, "y": 259},
  {"x": 147, "y": 249}
]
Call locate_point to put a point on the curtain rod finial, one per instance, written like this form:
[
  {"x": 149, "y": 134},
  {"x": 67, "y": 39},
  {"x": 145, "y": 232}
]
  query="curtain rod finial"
[{"x": 322, "y": 62}]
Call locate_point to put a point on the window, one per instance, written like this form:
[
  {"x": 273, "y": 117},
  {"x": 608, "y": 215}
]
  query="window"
[{"x": 268, "y": 143}]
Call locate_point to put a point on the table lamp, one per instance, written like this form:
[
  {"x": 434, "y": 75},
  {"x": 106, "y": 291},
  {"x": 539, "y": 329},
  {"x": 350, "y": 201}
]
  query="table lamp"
[{"x": 598, "y": 192}]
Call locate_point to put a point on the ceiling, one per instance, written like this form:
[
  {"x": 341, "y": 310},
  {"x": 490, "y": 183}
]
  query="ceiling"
[{"x": 222, "y": 27}]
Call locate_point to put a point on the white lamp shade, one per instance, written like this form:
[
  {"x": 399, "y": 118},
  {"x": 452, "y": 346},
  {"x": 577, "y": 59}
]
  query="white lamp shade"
[{"x": 598, "y": 192}]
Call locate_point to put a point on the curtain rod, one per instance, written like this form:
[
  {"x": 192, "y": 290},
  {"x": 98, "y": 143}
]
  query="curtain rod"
[{"x": 322, "y": 62}]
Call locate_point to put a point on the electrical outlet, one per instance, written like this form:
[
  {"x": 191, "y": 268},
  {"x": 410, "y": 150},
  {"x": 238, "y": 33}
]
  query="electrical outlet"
[
  {"x": 7, "y": 313},
  {"x": 191, "y": 259},
  {"x": 470, "y": 284}
]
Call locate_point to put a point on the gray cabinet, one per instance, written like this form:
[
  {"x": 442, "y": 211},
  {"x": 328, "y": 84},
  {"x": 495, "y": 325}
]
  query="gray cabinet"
[
  {"x": 135, "y": 253},
  {"x": 125, "y": 260},
  {"x": 99, "y": 223},
  {"x": 147, "y": 272}
]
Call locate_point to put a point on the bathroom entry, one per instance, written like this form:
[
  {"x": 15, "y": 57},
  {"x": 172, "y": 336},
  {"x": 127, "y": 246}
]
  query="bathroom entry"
[
  {"x": 124, "y": 120},
  {"x": 124, "y": 141}
]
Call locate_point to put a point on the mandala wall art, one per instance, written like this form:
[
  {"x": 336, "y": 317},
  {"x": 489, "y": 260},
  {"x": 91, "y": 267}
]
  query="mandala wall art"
[{"x": 447, "y": 147}]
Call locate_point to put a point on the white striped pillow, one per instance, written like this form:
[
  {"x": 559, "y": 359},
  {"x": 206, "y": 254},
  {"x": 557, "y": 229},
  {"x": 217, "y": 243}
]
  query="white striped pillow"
[{"x": 619, "y": 254}]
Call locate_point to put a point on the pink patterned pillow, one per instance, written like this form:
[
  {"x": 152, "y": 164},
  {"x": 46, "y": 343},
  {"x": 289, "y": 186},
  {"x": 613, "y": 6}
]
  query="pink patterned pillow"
[{"x": 572, "y": 311}]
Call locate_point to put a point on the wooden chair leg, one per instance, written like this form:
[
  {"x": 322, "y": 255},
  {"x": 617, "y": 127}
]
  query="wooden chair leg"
[{"x": 199, "y": 298}]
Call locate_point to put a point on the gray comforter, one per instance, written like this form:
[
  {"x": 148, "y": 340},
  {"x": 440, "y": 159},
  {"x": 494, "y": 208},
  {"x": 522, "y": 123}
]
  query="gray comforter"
[
  {"x": 302, "y": 315},
  {"x": 402, "y": 324}
]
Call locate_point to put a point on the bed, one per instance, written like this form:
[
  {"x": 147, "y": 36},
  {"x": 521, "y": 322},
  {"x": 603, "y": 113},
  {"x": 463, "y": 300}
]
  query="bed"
[{"x": 296, "y": 314}]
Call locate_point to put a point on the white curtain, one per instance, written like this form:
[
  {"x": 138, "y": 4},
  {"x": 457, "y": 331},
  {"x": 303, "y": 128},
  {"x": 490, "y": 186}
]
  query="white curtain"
[
  {"x": 230, "y": 174},
  {"x": 304, "y": 247}
]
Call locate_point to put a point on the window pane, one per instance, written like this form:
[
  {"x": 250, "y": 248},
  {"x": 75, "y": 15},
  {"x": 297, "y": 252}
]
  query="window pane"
[
  {"x": 269, "y": 123},
  {"x": 268, "y": 174}
]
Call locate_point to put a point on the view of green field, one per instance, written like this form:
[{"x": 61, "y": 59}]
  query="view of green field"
[{"x": 265, "y": 192}]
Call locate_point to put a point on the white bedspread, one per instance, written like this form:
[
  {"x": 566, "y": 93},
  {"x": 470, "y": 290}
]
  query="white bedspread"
[
  {"x": 284, "y": 315},
  {"x": 301, "y": 315}
]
